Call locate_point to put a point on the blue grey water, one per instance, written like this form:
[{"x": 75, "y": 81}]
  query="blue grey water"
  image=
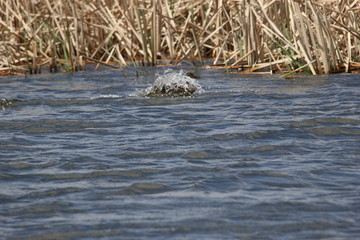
[{"x": 85, "y": 156}]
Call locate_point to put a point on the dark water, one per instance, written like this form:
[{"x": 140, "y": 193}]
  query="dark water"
[{"x": 254, "y": 157}]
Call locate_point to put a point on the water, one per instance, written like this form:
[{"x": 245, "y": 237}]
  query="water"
[
  {"x": 85, "y": 156},
  {"x": 173, "y": 84}
]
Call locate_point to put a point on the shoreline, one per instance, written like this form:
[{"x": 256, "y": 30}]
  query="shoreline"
[{"x": 260, "y": 69}]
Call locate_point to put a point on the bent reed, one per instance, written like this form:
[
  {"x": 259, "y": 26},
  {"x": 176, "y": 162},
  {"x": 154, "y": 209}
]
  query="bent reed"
[{"x": 316, "y": 37}]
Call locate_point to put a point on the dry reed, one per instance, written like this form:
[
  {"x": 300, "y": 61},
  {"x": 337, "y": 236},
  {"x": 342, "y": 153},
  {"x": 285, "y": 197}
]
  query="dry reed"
[{"x": 277, "y": 35}]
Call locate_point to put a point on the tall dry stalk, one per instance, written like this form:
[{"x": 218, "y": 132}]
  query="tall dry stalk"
[{"x": 313, "y": 36}]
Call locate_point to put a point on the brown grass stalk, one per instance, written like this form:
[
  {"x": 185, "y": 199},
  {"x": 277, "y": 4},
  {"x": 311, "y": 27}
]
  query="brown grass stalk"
[{"x": 317, "y": 36}]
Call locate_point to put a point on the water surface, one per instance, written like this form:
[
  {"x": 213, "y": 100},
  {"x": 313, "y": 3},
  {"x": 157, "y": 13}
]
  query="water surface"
[{"x": 85, "y": 156}]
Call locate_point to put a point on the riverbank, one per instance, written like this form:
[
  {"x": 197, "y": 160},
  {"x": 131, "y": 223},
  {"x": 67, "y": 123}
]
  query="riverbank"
[{"x": 315, "y": 37}]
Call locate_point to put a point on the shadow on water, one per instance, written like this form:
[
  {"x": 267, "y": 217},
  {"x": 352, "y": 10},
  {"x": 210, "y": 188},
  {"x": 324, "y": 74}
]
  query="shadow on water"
[{"x": 88, "y": 155}]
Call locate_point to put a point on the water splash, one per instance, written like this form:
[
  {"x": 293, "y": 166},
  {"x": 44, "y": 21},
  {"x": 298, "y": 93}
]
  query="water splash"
[
  {"x": 105, "y": 96},
  {"x": 173, "y": 84},
  {"x": 5, "y": 103}
]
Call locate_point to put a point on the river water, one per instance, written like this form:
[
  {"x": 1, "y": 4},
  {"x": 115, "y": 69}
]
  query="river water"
[{"x": 87, "y": 156}]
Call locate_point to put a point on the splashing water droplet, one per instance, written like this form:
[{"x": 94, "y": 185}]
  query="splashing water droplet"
[
  {"x": 174, "y": 84},
  {"x": 105, "y": 96}
]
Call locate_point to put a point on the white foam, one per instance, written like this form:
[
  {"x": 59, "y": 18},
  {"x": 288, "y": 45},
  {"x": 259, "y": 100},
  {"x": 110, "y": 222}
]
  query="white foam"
[
  {"x": 105, "y": 96},
  {"x": 174, "y": 79}
]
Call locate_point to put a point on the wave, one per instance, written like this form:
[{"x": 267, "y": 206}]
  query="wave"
[{"x": 105, "y": 96}]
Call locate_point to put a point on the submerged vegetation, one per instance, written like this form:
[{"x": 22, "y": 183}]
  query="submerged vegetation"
[{"x": 277, "y": 35}]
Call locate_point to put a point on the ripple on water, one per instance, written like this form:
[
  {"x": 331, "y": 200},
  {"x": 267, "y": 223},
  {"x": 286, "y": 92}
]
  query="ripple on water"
[
  {"x": 28, "y": 166},
  {"x": 267, "y": 178},
  {"x": 42, "y": 209},
  {"x": 198, "y": 155},
  {"x": 233, "y": 135},
  {"x": 144, "y": 188},
  {"x": 132, "y": 173},
  {"x": 52, "y": 193},
  {"x": 48, "y": 126},
  {"x": 325, "y": 121},
  {"x": 334, "y": 131},
  {"x": 253, "y": 157}
]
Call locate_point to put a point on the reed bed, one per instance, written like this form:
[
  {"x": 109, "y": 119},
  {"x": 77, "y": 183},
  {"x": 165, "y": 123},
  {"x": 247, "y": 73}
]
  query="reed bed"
[{"x": 317, "y": 37}]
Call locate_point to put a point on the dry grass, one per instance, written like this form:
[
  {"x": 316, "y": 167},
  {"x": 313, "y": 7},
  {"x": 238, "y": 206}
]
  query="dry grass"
[{"x": 277, "y": 35}]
